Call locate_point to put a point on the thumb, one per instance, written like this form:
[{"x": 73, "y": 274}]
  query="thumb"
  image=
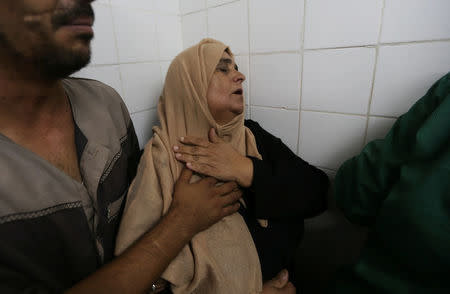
[
  {"x": 213, "y": 136},
  {"x": 280, "y": 280},
  {"x": 185, "y": 175}
]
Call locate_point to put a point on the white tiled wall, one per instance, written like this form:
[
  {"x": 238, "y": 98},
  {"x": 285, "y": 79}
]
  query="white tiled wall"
[
  {"x": 135, "y": 40},
  {"x": 328, "y": 76},
  {"x": 325, "y": 76}
]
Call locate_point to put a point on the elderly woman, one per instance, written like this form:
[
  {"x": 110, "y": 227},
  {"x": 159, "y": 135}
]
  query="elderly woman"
[{"x": 202, "y": 125}]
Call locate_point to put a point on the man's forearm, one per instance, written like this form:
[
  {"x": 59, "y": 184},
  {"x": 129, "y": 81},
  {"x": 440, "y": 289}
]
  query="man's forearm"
[{"x": 143, "y": 263}]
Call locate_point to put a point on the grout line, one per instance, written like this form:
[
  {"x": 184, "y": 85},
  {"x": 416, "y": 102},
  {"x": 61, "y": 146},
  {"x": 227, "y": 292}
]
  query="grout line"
[
  {"x": 322, "y": 111},
  {"x": 302, "y": 56},
  {"x": 207, "y": 18},
  {"x": 349, "y": 47},
  {"x": 333, "y": 112},
  {"x": 275, "y": 52},
  {"x": 129, "y": 62},
  {"x": 383, "y": 116},
  {"x": 182, "y": 31},
  {"x": 143, "y": 110},
  {"x": 137, "y": 9},
  {"x": 274, "y": 107},
  {"x": 206, "y": 7},
  {"x": 414, "y": 42},
  {"x": 377, "y": 53},
  {"x": 342, "y": 47},
  {"x": 195, "y": 11},
  {"x": 249, "y": 63},
  {"x": 156, "y": 30},
  {"x": 314, "y": 110},
  {"x": 168, "y": 60},
  {"x": 116, "y": 47},
  {"x": 222, "y": 4}
]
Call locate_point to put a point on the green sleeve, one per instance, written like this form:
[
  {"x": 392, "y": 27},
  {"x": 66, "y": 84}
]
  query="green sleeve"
[{"x": 364, "y": 181}]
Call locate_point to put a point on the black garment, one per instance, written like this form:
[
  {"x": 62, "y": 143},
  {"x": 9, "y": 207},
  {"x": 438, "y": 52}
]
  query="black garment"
[{"x": 285, "y": 190}]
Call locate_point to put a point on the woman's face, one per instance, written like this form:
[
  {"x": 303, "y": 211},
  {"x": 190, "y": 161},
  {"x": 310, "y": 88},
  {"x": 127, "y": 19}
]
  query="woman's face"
[{"x": 225, "y": 94}]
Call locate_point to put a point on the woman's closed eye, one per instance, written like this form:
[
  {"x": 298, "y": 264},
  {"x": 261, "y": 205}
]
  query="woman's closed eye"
[
  {"x": 225, "y": 69},
  {"x": 222, "y": 69}
]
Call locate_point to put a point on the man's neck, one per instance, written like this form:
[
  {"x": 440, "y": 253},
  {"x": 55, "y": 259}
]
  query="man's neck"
[{"x": 26, "y": 98}]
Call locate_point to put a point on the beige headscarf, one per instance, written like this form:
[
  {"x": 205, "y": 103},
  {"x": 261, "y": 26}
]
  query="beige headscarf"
[{"x": 223, "y": 258}]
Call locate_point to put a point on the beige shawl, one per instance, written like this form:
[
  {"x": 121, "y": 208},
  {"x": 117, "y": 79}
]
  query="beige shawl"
[{"x": 223, "y": 258}]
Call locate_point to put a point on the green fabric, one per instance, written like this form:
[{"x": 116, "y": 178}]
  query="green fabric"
[{"x": 399, "y": 187}]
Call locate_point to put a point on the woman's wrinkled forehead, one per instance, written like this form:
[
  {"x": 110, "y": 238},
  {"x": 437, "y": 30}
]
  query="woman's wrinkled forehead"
[
  {"x": 211, "y": 54},
  {"x": 211, "y": 63},
  {"x": 198, "y": 63}
]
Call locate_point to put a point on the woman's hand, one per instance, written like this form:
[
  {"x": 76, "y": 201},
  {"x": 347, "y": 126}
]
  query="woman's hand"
[
  {"x": 215, "y": 158},
  {"x": 279, "y": 285}
]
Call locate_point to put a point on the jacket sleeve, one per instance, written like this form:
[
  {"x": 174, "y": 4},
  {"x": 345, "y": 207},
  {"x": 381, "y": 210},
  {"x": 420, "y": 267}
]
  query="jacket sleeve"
[
  {"x": 364, "y": 181},
  {"x": 284, "y": 185}
]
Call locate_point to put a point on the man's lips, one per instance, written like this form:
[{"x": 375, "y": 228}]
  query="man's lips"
[
  {"x": 83, "y": 21},
  {"x": 82, "y": 25}
]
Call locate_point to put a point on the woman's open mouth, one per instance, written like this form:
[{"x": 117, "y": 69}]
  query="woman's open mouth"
[{"x": 238, "y": 92}]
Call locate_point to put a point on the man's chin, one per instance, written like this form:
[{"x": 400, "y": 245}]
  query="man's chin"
[
  {"x": 64, "y": 67},
  {"x": 58, "y": 62}
]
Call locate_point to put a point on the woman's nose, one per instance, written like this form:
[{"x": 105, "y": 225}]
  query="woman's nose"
[{"x": 239, "y": 78}]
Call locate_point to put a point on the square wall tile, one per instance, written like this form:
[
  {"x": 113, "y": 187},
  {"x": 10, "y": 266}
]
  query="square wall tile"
[
  {"x": 104, "y": 2},
  {"x": 415, "y": 20},
  {"x": 104, "y": 49},
  {"x": 212, "y": 3},
  {"x": 187, "y": 6},
  {"x": 164, "y": 68},
  {"x": 169, "y": 36},
  {"x": 142, "y": 85},
  {"x": 331, "y": 23},
  {"x": 168, "y": 6},
  {"x": 194, "y": 27},
  {"x": 134, "y": 4},
  {"x": 109, "y": 75},
  {"x": 275, "y": 25},
  {"x": 279, "y": 122},
  {"x": 327, "y": 140},
  {"x": 338, "y": 80},
  {"x": 136, "y": 35},
  {"x": 143, "y": 123},
  {"x": 229, "y": 24},
  {"x": 378, "y": 128},
  {"x": 275, "y": 80},
  {"x": 243, "y": 65},
  {"x": 405, "y": 73}
]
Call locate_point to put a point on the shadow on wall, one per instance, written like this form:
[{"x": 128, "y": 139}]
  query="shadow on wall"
[{"x": 330, "y": 242}]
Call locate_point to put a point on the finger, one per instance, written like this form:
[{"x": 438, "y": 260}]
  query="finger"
[
  {"x": 190, "y": 140},
  {"x": 231, "y": 198},
  {"x": 290, "y": 286},
  {"x": 227, "y": 188},
  {"x": 213, "y": 136},
  {"x": 191, "y": 158},
  {"x": 281, "y": 279},
  {"x": 209, "y": 180},
  {"x": 200, "y": 168},
  {"x": 185, "y": 175},
  {"x": 192, "y": 150},
  {"x": 230, "y": 209}
]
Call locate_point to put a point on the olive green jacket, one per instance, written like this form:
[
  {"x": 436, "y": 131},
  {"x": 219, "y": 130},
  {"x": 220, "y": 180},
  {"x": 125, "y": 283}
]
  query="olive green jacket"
[{"x": 400, "y": 188}]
